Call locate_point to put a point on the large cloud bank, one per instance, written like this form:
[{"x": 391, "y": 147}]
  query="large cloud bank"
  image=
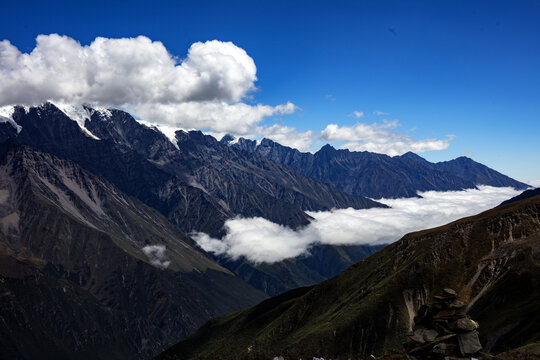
[
  {"x": 210, "y": 88},
  {"x": 261, "y": 241},
  {"x": 204, "y": 90}
]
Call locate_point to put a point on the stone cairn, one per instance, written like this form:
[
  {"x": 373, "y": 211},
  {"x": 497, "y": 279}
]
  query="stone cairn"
[{"x": 443, "y": 330}]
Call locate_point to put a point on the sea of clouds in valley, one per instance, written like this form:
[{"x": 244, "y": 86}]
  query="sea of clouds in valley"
[{"x": 262, "y": 241}]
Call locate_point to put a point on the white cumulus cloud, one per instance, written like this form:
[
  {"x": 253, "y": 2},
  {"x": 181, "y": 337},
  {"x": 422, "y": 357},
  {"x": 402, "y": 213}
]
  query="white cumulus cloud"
[
  {"x": 204, "y": 90},
  {"x": 261, "y": 241}
]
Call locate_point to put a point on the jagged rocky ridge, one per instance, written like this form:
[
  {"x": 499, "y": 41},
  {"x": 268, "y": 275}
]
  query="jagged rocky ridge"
[
  {"x": 492, "y": 260},
  {"x": 247, "y": 184},
  {"x": 78, "y": 275},
  {"x": 380, "y": 176}
]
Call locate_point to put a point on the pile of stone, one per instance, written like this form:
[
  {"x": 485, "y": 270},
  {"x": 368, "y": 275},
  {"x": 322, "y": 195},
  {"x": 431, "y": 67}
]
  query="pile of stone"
[{"x": 443, "y": 330}]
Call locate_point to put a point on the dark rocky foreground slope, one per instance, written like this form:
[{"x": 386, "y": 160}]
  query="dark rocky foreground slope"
[
  {"x": 88, "y": 272},
  {"x": 492, "y": 260},
  {"x": 378, "y": 175}
]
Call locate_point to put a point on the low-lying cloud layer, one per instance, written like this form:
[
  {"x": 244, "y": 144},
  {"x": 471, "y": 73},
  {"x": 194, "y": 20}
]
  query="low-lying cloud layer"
[
  {"x": 210, "y": 88},
  {"x": 259, "y": 240}
]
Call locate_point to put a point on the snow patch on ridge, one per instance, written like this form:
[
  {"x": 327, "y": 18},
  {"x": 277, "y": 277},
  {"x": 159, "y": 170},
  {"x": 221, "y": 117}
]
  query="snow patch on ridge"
[
  {"x": 6, "y": 115},
  {"x": 168, "y": 131},
  {"x": 79, "y": 114}
]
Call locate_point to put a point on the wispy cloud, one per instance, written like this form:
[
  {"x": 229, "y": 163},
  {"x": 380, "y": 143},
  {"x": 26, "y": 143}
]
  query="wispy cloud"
[
  {"x": 261, "y": 241},
  {"x": 357, "y": 114},
  {"x": 380, "y": 113}
]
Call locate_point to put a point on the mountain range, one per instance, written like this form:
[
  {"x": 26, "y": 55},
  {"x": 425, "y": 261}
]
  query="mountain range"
[
  {"x": 197, "y": 183},
  {"x": 377, "y": 175}
]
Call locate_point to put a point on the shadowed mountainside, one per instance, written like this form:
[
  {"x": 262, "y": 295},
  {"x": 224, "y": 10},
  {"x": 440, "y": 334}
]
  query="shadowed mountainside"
[{"x": 89, "y": 272}]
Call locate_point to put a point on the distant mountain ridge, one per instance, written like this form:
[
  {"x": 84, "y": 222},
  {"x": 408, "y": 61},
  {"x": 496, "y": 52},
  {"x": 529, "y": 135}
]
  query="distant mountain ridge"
[{"x": 377, "y": 175}]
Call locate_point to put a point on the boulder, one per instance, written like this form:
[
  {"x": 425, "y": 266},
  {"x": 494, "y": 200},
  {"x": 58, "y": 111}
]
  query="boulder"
[
  {"x": 444, "y": 348},
  {"x": 469, "y": 343},
  {"x": 456, "y": 304},
  {"x": 422, "y": 336}
]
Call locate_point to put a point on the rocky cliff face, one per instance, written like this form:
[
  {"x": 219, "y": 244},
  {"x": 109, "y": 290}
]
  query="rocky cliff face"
[
  {"x": 380, "y": 176},
  {"x": 491, "y": 260},
  {"x": 89, "y": 272}
]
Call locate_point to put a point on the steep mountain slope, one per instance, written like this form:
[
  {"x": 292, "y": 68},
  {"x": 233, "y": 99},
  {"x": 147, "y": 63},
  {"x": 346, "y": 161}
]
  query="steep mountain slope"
[
  {"x": 377, "y": 175},
  {"x": 89, "y": 272},
  {"x": 48, "y": 129},
  {"x": 492, "y": 260},
  {"x": 200, "y": 175}
]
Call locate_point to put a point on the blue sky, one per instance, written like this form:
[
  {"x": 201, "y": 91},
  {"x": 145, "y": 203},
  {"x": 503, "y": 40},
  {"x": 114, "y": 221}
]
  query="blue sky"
[{"x": 463, "y": 68}]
